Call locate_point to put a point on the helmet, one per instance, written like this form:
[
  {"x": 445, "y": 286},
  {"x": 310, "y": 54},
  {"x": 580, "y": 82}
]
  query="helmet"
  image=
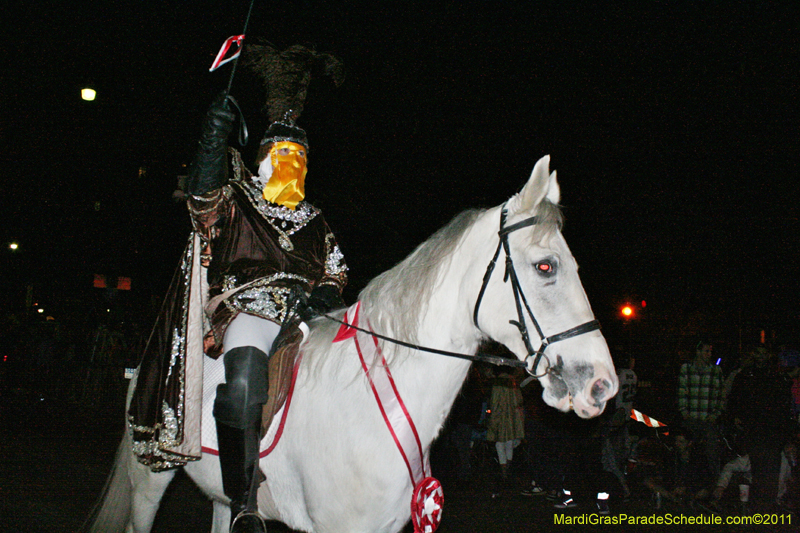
[{"x": 285, "y": 130}]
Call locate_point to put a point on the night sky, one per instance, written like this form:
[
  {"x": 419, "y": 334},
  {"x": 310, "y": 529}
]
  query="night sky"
[{"x": 673, "y": 127}]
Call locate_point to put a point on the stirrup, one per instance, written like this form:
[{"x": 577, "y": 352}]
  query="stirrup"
[{"x": 244, "y": 514}]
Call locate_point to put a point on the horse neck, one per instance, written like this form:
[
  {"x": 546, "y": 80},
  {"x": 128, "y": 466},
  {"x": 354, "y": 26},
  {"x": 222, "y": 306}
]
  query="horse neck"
[
  {"x": 445, "y": 323},
  {"x": 429, "y": 384}
]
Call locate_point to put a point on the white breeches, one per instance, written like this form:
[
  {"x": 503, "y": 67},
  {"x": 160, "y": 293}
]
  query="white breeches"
[{"x": 249, "y": 330}]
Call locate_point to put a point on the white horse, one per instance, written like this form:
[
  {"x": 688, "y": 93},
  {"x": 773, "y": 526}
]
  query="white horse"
[{"x": 337, "y": 468}]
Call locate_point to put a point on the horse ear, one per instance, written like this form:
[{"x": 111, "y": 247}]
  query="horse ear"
[
  {"x": 553, "y": 191},
  {"x": 542, "y": 184}
]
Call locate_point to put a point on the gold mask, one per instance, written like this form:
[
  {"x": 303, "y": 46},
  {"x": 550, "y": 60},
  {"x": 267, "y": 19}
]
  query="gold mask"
[{"x": 287, "y": 184}]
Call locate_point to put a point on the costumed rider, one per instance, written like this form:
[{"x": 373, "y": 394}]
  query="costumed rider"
[
  {"x": 265, "y": 242},
  {"x": 264, "y": 246}
]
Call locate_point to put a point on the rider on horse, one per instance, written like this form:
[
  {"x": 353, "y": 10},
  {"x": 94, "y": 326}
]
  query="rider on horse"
[{"x": 270, "y": 256}]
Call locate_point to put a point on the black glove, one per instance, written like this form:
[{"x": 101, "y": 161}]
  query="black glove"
[
  {"x": 209, "y": 170},
  {"x": 323, "y": 298}
]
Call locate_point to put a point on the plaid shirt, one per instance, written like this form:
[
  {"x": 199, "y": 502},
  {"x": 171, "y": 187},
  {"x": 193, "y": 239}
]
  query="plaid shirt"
[{"x": 700, "y": 391}]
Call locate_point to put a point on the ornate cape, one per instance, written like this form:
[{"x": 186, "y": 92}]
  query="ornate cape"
[{"x": 246, "y": 255}]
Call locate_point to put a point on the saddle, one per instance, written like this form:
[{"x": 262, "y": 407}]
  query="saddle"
[{"x": 281, "y": 366}]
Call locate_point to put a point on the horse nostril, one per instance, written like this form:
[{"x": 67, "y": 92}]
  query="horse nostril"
[{"x": 600, "y": 389}]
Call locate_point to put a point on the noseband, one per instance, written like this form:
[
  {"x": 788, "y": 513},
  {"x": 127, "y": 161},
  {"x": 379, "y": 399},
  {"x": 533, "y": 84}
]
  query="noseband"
[{"x": 521, "y": 301}]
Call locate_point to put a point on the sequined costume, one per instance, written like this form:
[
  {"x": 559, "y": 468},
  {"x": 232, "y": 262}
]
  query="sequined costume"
[
  {"x": 260, "y": 252},
  {"x": 252, "y": 253}
]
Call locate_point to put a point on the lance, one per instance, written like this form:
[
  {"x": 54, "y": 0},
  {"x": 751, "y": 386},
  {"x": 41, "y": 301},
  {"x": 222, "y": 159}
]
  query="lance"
[
  {"x": 219, "y": 61},
  {"x": 236, "y": 60}
]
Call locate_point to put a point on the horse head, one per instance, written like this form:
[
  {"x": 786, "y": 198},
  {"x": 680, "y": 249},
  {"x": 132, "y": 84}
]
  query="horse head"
[{"x": 538, "y": 308}]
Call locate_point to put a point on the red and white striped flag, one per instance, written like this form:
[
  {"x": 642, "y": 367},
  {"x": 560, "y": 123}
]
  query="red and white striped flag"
[
  {"x": 646, "y": 420},
  {"x": 219, "y": 61}
]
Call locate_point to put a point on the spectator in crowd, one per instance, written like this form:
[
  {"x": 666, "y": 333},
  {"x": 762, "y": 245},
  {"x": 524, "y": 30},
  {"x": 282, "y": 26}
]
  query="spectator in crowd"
[
  {"x": 700, "y": 401},
  {"x": 506, "y": 427},
  {"x": 579, "y": 460},
  {"x": 745, "y": 361},
  {"x": 789, "y": 360},
  {"x": 682, "y": 476},
  {"x": 540, "y": 441},
  {"x": 739, "y": 466},
  {"x": 465, "y": 419},
  {"x": 616, "y": 445},
  {"x": 788, "y": 487},
  {"x": 760, "y": 408}
]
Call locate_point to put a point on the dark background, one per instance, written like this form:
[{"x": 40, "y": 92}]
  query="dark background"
[{"x": 673, "y": 127}]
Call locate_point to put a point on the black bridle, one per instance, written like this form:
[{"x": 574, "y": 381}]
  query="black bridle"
[{"x": 521, "y": 301}]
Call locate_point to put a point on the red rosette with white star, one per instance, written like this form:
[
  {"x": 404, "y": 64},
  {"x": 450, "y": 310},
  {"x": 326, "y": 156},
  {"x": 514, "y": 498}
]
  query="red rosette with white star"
[{"x": 426, "y": 505}]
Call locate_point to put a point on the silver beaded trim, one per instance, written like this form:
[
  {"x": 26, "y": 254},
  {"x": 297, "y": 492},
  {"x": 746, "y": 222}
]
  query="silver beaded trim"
[
  {"x": 282, "y": 219},
  {"x": 167, "y": 433},
  {"x": 298, "y": 216},
  {"x": 334, "y": 262},
  {"x": 261, "y": 299},
  {"x": 229, "y": 282}
]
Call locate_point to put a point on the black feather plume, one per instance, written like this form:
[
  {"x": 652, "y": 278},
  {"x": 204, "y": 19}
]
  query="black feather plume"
[{"x": 286, "y": 75}]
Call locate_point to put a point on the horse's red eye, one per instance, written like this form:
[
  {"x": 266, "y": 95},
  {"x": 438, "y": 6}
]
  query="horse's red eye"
[{"x": 545, "y": 268}]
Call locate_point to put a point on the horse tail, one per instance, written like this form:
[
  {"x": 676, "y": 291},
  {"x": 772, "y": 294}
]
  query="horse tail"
[{"x": 112, "y": 512}]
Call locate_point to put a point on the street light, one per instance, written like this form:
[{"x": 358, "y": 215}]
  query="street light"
[
  {"x": 88, "y": 94},
  {"x": 627, "y": 311}
]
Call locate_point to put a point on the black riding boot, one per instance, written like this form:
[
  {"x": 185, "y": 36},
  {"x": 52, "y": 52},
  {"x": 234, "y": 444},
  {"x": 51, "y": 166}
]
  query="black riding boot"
[
  {"x": 237, "y": 411},
  {"x": 238, "y": 456}
]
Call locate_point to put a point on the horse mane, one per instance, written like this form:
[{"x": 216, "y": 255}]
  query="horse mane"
[{"x": 395, "y": 299}]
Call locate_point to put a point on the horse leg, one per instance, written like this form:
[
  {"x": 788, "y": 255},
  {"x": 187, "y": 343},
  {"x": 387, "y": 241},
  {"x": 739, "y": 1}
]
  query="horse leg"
[
  {"x": 113, "y": 510},
  {"x": 206, "y": 474},
  {"x": 148, "y": 489}
]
